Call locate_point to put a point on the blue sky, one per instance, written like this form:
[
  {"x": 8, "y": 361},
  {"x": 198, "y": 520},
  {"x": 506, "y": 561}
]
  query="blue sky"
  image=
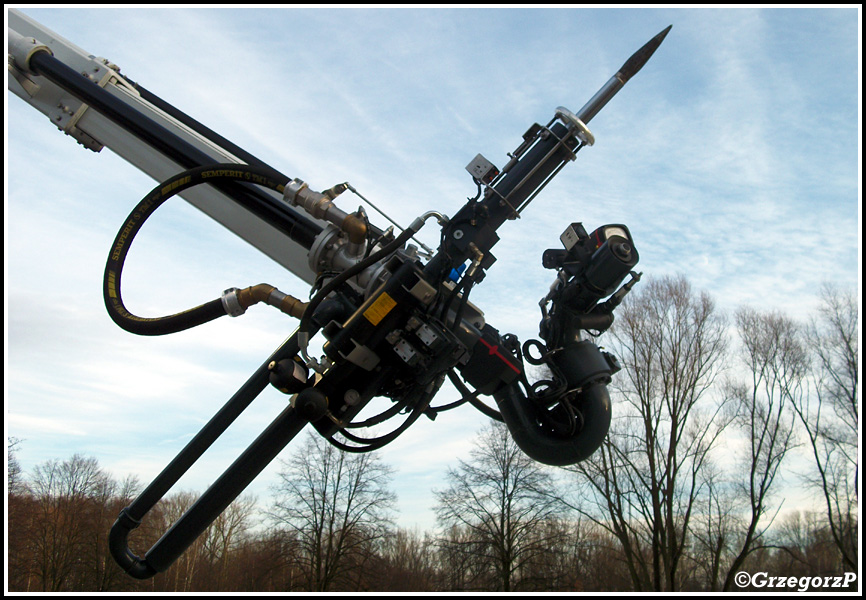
[{"x": 733, "y": 156}]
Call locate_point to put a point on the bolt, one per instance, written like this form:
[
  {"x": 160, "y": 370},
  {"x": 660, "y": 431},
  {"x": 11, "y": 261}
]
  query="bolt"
[
  {"x": 351, "y": 397},
  {"x": 622, "y": 250},
  {"x": 458, "y": 233}
]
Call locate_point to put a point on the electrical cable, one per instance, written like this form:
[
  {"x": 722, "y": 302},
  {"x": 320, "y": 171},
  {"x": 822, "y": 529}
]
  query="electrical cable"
[
  {"x": 472, "y": 398},
  {"x": 449, "y": 300},
  {"x": 460, "y": 402},
  {"x": 144, "y": 210},
  {"x": 370, "y": 444},
  {"x": 379, "y": 418}
]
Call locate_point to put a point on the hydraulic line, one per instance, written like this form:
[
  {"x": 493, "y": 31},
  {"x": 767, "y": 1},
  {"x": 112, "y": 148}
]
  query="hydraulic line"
[
  {"x": 274, "y": 212},
  {"x": 215, "y": 308},
  {"x": 268, "y": 294},
  {"x": 200, "y": 128},
  {"x": 420, "y": 399},
  {"x": 472, "y": 397},
  {"x": 231, "y": 484}
]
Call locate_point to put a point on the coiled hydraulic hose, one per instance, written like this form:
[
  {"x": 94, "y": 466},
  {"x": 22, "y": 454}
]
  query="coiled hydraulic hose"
[{"x": 119, "y": 249}]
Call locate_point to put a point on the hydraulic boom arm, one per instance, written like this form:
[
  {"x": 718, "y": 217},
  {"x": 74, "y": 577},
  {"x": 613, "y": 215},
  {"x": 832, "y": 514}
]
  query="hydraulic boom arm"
[{"x": 394, "y": 321}]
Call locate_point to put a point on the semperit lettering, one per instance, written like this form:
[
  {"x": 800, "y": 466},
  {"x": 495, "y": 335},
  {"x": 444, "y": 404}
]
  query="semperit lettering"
[{"x": 222, "y": 173}]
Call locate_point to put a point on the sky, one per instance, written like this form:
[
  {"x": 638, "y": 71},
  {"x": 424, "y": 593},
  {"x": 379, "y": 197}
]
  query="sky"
[{"x": 733, "y": 157}]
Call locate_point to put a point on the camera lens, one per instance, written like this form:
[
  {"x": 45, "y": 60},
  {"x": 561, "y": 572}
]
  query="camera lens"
[{"x": 622, "y": 250}]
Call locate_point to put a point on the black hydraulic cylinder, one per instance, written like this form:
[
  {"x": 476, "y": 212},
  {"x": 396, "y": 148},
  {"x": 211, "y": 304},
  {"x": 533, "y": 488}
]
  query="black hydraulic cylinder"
[
  {"x": 295, "y": 226},
  {"x": 529, "y": 173},
  {"x": 475, "y": 224},
  {"x": 213, "y": 136},
  {"x": 201, "y": 129}
]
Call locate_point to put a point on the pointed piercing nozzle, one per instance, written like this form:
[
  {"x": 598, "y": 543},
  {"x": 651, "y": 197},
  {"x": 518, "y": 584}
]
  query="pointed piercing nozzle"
[
  {"x": 615, "y": 83},
  {"x": 639, "y": 58}
]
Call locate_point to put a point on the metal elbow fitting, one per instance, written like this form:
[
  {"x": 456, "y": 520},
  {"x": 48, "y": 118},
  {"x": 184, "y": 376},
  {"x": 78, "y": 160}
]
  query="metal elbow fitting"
[{"x": 236, "y": 301}]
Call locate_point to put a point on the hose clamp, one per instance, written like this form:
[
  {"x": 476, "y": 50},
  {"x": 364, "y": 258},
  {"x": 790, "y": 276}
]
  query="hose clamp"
[
  {"x": 291, "y": 191},
  {"x": 231, "y": 303}
]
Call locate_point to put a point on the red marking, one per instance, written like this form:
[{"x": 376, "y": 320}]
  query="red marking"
[{"x": 494, "y": 351}]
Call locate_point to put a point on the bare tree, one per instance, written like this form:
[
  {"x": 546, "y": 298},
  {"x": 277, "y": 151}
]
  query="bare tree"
[
  {"x": 266, "y": 562},
  {"x": 336, "y": 503},
  {"x": 805, "y": 545},
  {"x": 501, "y": 499},
  {"x": 643, "y": 484},
  {"x": 565, "y": 562},
  {"x": 407, "y": 562},
  {"x": 830, "y": 418},
  {"x": 97, "y": 571},
  {"x": 776, "y": 364},
  {"x": 714, "y": 528},
  {"x": 225, "y": 534},
  {"x": 459, "y": 569},
  {"x": 19, "y": 563},
  {"x": 179, "y": 577},
  {"x": 604, "y": 569},
  {"x": 14, "y": 477},
  {"x": 63, "y": 492}
]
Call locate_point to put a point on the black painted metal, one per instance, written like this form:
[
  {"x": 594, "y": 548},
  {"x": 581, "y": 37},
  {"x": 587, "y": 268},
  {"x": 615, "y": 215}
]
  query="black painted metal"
[{"x": 274, "y": 212}]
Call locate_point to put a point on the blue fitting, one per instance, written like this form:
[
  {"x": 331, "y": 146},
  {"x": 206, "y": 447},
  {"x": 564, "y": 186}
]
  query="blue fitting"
[{"x": 456, "y": 273}]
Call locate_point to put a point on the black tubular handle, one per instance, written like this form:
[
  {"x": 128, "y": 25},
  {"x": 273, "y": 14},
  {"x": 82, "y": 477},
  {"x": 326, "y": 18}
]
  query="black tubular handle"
[
  {"x": 118, "y": 545},
  {"x": 221, "y": 493}
]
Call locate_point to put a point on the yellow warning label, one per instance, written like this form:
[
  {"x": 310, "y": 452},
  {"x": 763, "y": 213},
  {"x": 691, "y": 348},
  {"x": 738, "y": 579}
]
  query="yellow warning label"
[{"x": 380, "y": 307}]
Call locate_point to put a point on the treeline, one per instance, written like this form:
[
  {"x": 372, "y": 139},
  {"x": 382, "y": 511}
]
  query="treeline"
[
  {"x": 685, "y": 494},
  {"x": 58, "y": 542}
]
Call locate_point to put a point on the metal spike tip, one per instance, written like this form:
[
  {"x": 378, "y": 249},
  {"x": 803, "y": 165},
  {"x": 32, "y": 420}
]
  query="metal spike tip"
[{"x": 639, "y": 58}]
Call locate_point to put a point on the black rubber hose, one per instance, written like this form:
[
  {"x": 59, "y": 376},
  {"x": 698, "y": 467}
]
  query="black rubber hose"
[
  {"x": 472, "y": 397},
  {"x": 119, "y": 249},
  {"x": 525, "y": 421},
  {"x": 421, "y": 400}
]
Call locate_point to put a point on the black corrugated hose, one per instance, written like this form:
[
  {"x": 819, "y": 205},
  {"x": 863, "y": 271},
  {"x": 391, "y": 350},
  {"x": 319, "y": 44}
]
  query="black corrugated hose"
[{"x": 114, "y": 266}]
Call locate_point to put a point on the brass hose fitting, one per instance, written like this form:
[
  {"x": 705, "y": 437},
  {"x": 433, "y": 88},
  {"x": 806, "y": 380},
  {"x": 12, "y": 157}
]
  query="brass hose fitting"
[
  {"x": 356, "y": 227},
  {"x": 320, "y": 206},
  {"x": 236, "y": 301}
]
